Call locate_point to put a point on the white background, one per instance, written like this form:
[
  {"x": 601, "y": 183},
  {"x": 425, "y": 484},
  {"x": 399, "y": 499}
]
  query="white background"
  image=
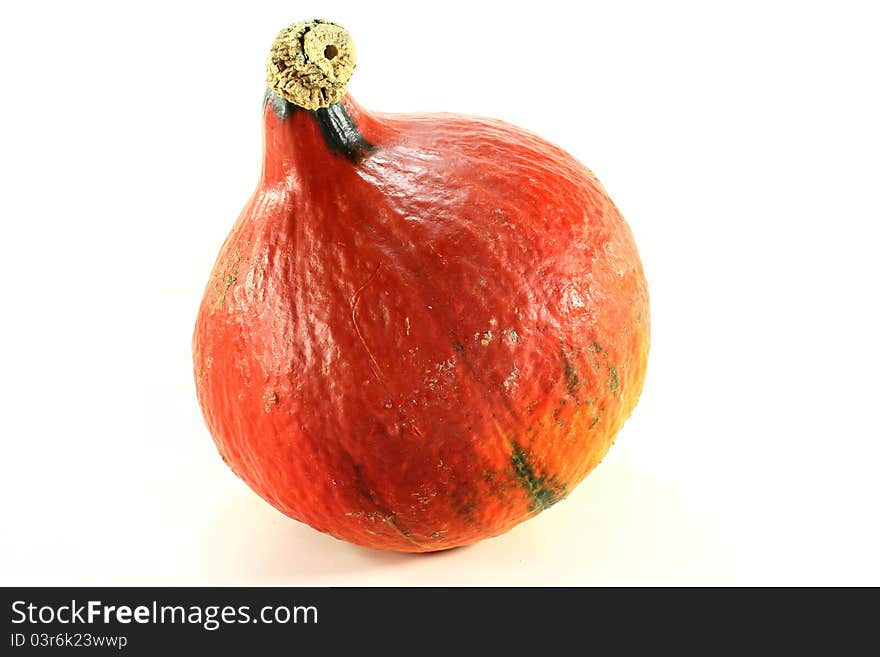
[{"x": 740, "y": 141}]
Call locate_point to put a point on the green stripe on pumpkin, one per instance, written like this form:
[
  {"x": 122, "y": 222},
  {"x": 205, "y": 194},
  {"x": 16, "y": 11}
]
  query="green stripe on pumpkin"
[{"x": 544, "y": 492}]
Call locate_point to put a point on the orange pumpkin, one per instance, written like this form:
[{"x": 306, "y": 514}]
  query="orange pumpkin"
[{"x": 422, "y": 329}]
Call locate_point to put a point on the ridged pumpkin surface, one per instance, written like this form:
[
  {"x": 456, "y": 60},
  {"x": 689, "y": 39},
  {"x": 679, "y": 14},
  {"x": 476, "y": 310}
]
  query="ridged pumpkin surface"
[{"x": 422, "y": 344}]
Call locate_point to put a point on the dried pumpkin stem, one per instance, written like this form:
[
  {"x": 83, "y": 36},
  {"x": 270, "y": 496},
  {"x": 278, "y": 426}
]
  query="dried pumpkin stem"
[{"x": 310, "y": 63}]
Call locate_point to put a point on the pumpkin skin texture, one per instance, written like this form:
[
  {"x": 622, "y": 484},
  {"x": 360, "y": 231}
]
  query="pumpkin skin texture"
[{"x": 421, "y": 333}]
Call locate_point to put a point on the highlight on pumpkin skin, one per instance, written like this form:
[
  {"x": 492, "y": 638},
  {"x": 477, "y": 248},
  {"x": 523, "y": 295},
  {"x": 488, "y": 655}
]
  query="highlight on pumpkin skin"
[{"x": 310, "y": 63}]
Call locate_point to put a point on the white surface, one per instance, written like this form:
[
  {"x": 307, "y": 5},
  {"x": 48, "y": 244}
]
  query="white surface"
[{"x": 741, "y": 143}]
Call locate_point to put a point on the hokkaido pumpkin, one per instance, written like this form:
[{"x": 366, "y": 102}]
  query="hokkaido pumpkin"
[{"x": 422, "y": 329}]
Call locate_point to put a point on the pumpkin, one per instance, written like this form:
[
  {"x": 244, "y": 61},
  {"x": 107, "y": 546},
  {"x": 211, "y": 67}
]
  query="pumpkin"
[{"x": 422, "y": 329}]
